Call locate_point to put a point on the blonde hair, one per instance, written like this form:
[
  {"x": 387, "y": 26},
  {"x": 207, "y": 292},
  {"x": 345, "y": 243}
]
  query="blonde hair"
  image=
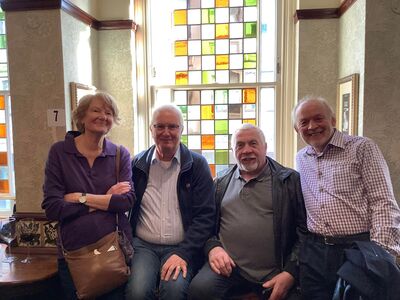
[{"x": 80, "y": 111}]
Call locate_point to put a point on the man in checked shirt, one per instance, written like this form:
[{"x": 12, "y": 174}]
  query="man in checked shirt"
[{"x": 348, "y": 196}]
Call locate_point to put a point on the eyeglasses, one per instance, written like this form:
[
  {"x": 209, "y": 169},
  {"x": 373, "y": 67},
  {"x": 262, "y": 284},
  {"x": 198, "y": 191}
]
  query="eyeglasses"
[{"x": 170, "y": 127}]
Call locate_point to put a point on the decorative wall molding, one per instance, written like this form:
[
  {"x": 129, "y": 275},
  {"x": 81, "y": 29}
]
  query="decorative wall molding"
[
  {"x": 323, "y": 13},
  {"x": 71, "y": 9}
]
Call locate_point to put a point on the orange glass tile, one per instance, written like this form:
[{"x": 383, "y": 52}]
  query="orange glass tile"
[
  {"x": 181, "y": 78},
  {"x": 3, "y": 159},
  {"x": 207, "y": 112},
  {"x": 212, "y": 169},
  {"x": 181, "y": 48},
  {"x": 249, "y": 95},
  {"x": 221, "y": 3},
  {"x": 3, "y": 131},
  {"x": 208, "y": 142},
  {"x": 222, "y": 31},
  {"x": 250, "y": 121},
  {"x": 4, "y": 187},
  {"x": 222, "y": 62},
  {"x": 2, "y": 102},
  {"x": 180, "y": 17}
]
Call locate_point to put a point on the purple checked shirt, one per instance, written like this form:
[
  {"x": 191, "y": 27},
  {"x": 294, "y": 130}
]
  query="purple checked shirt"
[
  {"x": 68, "y": 171},
  {"x": 347, "y": 190}
]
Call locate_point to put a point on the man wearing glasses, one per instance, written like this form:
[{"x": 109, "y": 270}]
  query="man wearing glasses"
[{"x": 174, "y": 211}]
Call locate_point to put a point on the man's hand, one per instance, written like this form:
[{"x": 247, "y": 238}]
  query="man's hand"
[
  {"x": 174, "y": 264},
  {"x": 119, "y": 188},
  {"x": 220, "y": 262},
  {"x": 280, "y": 284}
]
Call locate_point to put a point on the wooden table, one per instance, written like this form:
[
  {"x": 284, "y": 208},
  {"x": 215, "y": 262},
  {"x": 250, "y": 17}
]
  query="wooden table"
[{"x": 37, "y": 280}]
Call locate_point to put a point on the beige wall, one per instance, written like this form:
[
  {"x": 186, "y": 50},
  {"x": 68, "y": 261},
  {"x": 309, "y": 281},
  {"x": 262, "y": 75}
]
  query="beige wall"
[
  {"x": 36, "y": 85},
  {"x": 382, "y": 83}
]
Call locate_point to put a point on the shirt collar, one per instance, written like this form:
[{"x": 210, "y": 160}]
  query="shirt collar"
[
  {"x": 176, "y": 157},
  {"x": 337, "y": 140},
  {"x": 266, "y": 171}
]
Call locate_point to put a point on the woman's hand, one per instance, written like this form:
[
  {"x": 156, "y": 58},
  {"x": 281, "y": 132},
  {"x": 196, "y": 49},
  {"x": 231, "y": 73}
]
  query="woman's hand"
[{"x": 120, "y": 188}]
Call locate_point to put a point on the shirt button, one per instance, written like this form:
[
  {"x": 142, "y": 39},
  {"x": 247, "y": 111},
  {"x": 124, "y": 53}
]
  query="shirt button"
[{"x": 321, "y": 189}]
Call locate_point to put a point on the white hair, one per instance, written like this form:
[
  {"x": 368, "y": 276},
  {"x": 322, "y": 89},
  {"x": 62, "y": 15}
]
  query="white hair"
[
  {"x": 247, "y": 126},
  {"x": 308, "y": 98},
  {"x": 169, "y": 107}
]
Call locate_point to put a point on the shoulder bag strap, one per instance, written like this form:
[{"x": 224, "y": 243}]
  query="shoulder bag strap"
[{"x": 117, "y": 162}]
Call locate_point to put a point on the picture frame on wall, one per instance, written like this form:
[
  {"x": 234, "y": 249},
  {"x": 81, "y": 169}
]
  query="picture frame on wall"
[
  {"x": 77, "y": 91},
  {"x": 347, "y": 104}
]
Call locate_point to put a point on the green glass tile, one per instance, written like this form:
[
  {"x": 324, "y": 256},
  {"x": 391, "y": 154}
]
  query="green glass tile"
[
  {"x": 3, "y": 41},
  {"x": 3, "y": 70},
  {"x": 221, "y": 157},
  {"x": 207, "y": 47},
  {"x": 184, "y": 140},
  {"x": 250, "y": 29},
  {"x": 208, "y": 15},
  {"x": 183, "y": 109},
  {"x": 221, "y": 126},
  {"x": 2, "y": 15},
  {"x": 250, "y": 61},
  {"x": 207, "y": 77},
  {"x": 250, "y": 2}
]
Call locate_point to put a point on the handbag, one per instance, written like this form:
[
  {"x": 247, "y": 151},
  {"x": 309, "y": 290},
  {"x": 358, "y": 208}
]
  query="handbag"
[
  {"x": 97, "y": 268},
  {"x": 102, "y": 266}
]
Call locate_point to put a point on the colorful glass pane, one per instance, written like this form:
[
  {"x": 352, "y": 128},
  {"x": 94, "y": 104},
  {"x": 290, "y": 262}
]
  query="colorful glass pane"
[
  {"x": 250, "y": 2},
  {"x": 207, "y": 47},
  {"x": 250, "y": 121},
  {"x": 181, "y": 48},
  {"x": 183, "y": 109},
  {"x": 208, "y": 77},
  {"x": 3, "y": 159},
  {"x": 235, "y": 76},
  {"x": 235, "y": 96},
  {"x": 236, "y": 14},
  {"x": 180, "y": 17},
  {"x": 222, "y": 62},
  {"x": 3, "y": 41},
  {"x": 180, "y": 32},
  {"x": 250, "y": 45},
  {"x": 212, "y": 170},
  {"x": 236, "y": 30},
  {"x": 4, "y": 186},
  {"x": 222, "y": 46},
  {"x": 3, "y": 130},
  {"x": 250, "y": 14},
  {"x": 221, "y": 141},
  {"x": 181, "y": 78},
  {"x": 194, "y": 3},
  {"x": 194, "y": 141},
  {"x": 220, "y": 168},
  {"x": 221, "y": 157},
  {"x": 181, "y": 63},
  {"x": 222, "y": 31},
  {"x": 233, "y": 3},
  {"x": 233, "y": 125},
  {"x": 250, "y": 75},
  {"x": 207, "y": 112},
  {"x": 222, "y": 76},
  {"x": 250, "y": 29},
  {"x": 249, "y": 111},
  {"x": 194, "y": 112},
  {"x": 221, "y": 3},
  {"x": 249, "y": 95},
  {"x": 184, "y": 140},
  {"x": 208, "y": 62},
  {"x": 221, "y": 126},
  {"x": 2, "y": 102},
  {"x": 236, "y": 61},
  {"x": 208, "y": 142},
  {"x": 208, "y": 16},
  {"x": 250, "y": 61},
  {"x": 208, "y": 31}
]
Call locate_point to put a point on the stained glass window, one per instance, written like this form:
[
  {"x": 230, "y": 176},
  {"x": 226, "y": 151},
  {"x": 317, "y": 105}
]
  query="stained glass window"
[{"x": 222, "y": 70}]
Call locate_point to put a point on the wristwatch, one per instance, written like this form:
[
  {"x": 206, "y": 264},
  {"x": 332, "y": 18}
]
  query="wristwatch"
[{"x": 82, "y": 198}]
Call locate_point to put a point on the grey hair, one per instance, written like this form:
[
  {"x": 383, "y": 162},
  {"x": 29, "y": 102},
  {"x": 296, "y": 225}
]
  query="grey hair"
[
  {"x": 169, "y": 107},
  {"x": 83, "y": 105},
  {"x": 308, "y": 98},
  {"x": 247, "y": 126}
]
